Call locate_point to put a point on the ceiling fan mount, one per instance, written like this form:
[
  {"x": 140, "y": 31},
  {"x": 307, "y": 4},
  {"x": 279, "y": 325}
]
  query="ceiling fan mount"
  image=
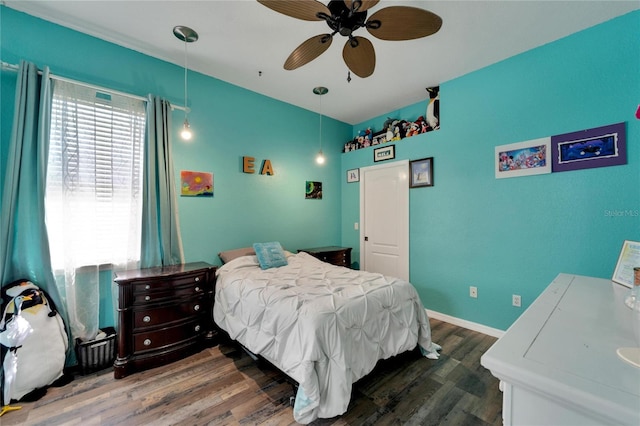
[
  {"x": 344, "y": 17},
  {"x": 343, "y": 21}
]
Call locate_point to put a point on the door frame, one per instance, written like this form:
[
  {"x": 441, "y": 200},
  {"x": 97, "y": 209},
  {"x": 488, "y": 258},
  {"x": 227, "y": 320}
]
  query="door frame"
[{"x": 363, "y": 174}]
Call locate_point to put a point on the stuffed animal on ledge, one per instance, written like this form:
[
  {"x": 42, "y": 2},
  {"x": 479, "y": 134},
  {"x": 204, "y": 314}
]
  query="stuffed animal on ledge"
[
  {"x": 364, "y": 137},
  {"x": 433, "y": 107},
  {"x": 413, "y": 128},
  {"x": 423, "y": 127}
]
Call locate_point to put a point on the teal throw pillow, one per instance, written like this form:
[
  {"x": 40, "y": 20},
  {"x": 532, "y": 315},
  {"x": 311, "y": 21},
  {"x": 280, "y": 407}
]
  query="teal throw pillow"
[{"x": 270, "y": 255}]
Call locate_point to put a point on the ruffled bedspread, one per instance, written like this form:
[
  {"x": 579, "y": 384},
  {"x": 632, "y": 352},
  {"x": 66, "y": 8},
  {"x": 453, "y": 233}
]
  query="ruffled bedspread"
[{"x": 325, "y": 326}]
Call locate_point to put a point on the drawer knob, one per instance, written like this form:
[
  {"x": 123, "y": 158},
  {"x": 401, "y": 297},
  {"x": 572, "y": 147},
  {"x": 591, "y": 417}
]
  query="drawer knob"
[
  {"x": 197, "y": 328},
  {"x": 147, "y": 287},
  {"x": 146, "y": 342},
  {"x": 146, "y": 318},
  {"x": 196, "y": 308},
  {"x": 147, "y": 298},
  {"x": 197, "y": 288},
  {"x": 197, "y": 279}
]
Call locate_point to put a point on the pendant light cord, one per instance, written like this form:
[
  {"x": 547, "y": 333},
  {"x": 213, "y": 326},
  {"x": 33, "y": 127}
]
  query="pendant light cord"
[
  {"x": 321, "y": 123},
  {"x": 185, "y": 78}
]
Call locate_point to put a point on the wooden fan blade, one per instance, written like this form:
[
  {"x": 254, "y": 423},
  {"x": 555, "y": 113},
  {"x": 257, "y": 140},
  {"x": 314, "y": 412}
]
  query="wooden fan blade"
[
  {"x": 361, "y": 59},
  {"x": 306, "y": 10},
  {"x": 308, "y": 51},
  {"x": 364, "y": 4},
  {"x": 403, "y": 23}
]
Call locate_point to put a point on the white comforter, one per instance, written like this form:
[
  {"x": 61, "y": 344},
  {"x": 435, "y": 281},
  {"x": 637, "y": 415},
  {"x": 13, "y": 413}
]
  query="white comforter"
[{"x": 325, "y": 326}]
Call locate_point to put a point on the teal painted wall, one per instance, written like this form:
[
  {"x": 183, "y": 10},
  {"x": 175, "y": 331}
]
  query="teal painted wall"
[
  {"x": 229, "y": 122},
  {"x": 513, "y": 236},
  {"x": 503, "y": 236}
]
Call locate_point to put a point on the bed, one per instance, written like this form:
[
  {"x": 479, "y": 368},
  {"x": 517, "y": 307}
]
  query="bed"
[{"x": 324, "y": 326}]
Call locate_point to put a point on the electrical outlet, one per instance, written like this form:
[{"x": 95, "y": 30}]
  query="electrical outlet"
[
  {"x": 473, "y": 292},
  {"x": 516, "y": 300}
]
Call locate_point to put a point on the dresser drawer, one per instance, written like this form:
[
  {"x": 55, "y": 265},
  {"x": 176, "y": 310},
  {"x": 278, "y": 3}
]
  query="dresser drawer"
[
  {"x": 164, "y": 314},
  {"x": 167, "y": 336},
  {"x": 168, "y": 293},
  {"x": 167, "y": 314},
  {"x": 164, "y": 283}
]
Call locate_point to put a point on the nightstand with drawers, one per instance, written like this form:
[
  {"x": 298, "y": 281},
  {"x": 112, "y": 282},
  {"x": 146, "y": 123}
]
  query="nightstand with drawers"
[
  {"x": 164, "y": 314},
  {"x": 340, "y": 256}
]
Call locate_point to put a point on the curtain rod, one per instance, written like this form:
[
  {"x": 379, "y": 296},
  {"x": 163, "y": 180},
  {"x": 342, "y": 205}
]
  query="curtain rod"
[{"x": 13, "y": 67}]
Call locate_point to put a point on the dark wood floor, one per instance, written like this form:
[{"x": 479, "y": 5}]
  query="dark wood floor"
[{"x": 223, "y": 386}]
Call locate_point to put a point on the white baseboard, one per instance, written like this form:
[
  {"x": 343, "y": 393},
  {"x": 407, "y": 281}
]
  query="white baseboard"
[{"x": 465, "y": 324}]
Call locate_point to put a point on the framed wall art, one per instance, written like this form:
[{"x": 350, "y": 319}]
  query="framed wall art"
[
  {"x": 387, "y": 152},
  {"x": 353, "y": 175},
  {"x": 313, "y": 190},
  {"x": 523, "y": 158},
  {"x": 628, "y": 259},
  {"x": 196, "y": 184},
  {"x": 597, "y": 147},
  {"x": 421, "y": 173}
]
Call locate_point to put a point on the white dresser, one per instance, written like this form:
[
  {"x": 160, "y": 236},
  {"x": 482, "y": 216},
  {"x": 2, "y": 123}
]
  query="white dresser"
[{"x": 558, "y": 364}]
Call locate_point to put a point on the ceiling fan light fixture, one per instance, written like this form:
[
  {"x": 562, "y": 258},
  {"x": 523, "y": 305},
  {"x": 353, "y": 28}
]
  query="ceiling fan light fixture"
[
  {"x": 187, "y": 35},
  {"x": 345, "y": 17}
]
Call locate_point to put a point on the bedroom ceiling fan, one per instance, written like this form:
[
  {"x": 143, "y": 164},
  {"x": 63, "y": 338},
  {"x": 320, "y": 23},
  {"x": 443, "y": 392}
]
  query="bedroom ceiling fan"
[{"x": 344, "y": 17}]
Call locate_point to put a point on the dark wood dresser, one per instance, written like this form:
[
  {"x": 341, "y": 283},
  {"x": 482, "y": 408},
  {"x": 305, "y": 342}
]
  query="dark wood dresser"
[
  {"x": 340, "y": 256},
  {"x": 164, "y": 314}
]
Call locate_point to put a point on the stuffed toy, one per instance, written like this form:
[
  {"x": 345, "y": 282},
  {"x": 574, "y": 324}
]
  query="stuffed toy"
[
  {"x": 364, "y": 137},
  {"x": 413, "y": 128},
  {"x": 433, "y": 107},
  {"x": 40, "y": 357},
  {"x": 422, "y": 125}
]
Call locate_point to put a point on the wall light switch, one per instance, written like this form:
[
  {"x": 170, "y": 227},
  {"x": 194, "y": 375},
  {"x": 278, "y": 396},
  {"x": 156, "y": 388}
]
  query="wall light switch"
[{"x": 355, "y": 226}]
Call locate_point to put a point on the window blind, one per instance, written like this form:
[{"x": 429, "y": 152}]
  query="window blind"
[{"x": 94, "y": 176}]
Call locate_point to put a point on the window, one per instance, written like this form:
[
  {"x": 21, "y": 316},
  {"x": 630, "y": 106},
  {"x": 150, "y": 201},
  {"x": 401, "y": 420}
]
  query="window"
[{"x": 94, "y": 178}]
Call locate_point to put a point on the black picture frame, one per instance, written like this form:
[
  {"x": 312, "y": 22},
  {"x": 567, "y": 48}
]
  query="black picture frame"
[
  {"x": 384, "y": 153},
  {"x": 353, "y": 175},
  {"x": 421, "y": 173}
]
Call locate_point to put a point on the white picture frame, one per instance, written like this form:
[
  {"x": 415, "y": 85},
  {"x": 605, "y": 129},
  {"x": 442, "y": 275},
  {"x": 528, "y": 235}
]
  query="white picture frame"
[
  {"x": 353, "y": 175},
  {"x": 628, "y": 259},
  {"x": 523, "y": 158}
]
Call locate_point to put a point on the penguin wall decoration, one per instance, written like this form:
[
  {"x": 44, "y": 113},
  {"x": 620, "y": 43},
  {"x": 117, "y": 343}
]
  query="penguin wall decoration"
[{"x": 433, "y": 107}]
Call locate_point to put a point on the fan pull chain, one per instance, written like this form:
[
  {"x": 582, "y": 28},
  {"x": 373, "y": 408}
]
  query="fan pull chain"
[{"x": 348, "y": 76}]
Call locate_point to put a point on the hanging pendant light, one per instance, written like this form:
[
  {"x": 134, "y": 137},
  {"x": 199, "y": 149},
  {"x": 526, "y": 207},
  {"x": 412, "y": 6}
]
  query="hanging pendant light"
[
  {"x": 320, "y": 91},
  {"x": 187, "y": 35}
]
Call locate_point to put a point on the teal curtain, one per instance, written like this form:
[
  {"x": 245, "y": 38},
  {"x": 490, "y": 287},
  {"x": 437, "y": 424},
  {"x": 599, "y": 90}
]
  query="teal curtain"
[
  {"x": 24, "y": 244},
  {"x": 161, "y": 242}
]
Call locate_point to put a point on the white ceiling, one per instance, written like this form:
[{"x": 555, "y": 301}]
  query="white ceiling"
[{"x": 239, "y": 39}]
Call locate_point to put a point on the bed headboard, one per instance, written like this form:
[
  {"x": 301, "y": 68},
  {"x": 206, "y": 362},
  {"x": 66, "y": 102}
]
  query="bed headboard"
[{"x": 229, "y": 255}]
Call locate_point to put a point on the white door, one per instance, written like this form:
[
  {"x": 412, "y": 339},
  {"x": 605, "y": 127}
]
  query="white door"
[{"x": 384, "y": 219}]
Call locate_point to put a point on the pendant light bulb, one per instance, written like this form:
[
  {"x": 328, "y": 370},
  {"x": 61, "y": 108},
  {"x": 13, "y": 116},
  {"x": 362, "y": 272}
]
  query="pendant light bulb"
[
  {"x": 187, "y": 35},
  {"x": 186, "y": 132},
  {"x": 320, "y": 91}
]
